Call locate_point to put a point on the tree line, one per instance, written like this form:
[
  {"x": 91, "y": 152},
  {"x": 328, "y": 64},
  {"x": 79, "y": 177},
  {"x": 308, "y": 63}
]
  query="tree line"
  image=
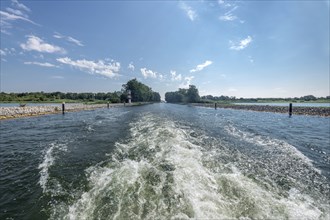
[
  {"x": 139, "y": 93},
  {"x": 233, "y": 98},
  {"x": 190, "y": 95}
]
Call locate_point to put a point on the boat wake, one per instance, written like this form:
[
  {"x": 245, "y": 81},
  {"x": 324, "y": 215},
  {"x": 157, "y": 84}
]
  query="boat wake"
[{"x": 169, "y": 171}]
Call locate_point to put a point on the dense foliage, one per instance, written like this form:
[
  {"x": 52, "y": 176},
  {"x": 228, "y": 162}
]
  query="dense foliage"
[
  {"x": 190, "y": 95},
  {"x": 140, "y": 92}
]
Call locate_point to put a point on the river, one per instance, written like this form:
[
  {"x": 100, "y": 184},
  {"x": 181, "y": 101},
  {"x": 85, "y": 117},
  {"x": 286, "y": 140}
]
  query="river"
[{"x": 165, "y": 161}]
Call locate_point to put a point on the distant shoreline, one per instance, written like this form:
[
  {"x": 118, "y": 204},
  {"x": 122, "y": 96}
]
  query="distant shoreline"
[{"x": 314, "y": 111}]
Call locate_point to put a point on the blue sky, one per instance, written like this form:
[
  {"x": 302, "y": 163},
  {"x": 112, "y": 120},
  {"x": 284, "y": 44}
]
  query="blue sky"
[{"x": 233, "y": 48}]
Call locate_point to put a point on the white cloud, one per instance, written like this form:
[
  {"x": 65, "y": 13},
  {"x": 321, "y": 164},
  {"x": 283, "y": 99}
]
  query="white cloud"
[
  {"x": 187, "y": 82},
  {"x": 40, "y": 64},
  {"x": 200, "y": 67},
  {"x": 192, "y": 15},
  {"x": 222, "y": 3},
  {"x": 68, "y": 38},
  {"x": 16, "y": 12},
  {"x": 2, "y": 53},
  {"x": 3, "y": 31},
  {"x": 37, "y": 44},
  {"x": 241, "y": 44},
  {"x": 148, "y": 73},
  {"x": 100, "y": 67},
  {"x": 228, "y": 17},
  {"x": 5, "y": 17},
  {"x": 131, "y": 66},
  {"x": 58, "y": 36},
  {"x": 231, "y": 89},
  {"x": 20, "y": 5},
  {"x": 7, "y": 51},
  {"x": 73, "y": 40},
  {"x": 174, "y": 76}
]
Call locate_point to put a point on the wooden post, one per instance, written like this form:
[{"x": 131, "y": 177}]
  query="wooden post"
[
  {"x": 215, "y": 105},
  {"x": 290, "y": 109},
  {"x": 63, "y": 108},
  {"x": 108, "y": 105}
]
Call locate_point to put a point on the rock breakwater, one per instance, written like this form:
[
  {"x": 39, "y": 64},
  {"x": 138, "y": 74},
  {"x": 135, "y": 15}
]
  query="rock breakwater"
[
  {"x": 28, "y": 111},
  {"x": 317, "y": 111}
]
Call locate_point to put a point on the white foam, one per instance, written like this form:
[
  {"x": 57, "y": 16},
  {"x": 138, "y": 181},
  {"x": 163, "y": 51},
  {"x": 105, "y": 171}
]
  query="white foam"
[
  {"x": 48, "y": 161},
  {"x": 134, "y": 185},
  {"x": 270, "y": 143}
]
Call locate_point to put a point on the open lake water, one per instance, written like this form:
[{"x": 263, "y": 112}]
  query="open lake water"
[{"x": 165, "y": 161}]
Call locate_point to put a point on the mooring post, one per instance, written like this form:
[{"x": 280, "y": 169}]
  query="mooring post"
[
  {"x": 63, "y": 108},
  {"x": 215, "y": 105},
  {"x": 108, "y": 105},
  {"x": 290, "y": 109}
]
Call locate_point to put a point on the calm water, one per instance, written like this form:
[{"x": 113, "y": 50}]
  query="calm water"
[{"x": 165, "y": 161}]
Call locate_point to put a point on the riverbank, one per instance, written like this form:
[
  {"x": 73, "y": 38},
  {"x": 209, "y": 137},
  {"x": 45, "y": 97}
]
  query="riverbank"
[
  {"x": 316, "y": 111},
  {"x": 31, "y": 111}
]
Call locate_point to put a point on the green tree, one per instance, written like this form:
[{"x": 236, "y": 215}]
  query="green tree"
[
  {"x": 192, "y": 94},
  {"x": 139, "y": 91},
  {"x": 183, "y": 95}
]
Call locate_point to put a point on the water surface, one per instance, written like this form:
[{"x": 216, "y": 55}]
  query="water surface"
[{"x": 165, "y": 161}]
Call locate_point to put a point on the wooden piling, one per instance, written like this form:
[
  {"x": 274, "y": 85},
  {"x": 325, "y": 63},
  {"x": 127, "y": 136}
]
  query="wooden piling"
[
  {"x": 108, "y": 105},
  {"x": 215, "y": 105},
  {"x": 290, "y": 109},
  {"x": 63, "y": 108}
]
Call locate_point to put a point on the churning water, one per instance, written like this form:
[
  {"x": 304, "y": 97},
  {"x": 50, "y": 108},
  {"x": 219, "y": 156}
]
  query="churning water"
[{"x": 165, "y": 161}]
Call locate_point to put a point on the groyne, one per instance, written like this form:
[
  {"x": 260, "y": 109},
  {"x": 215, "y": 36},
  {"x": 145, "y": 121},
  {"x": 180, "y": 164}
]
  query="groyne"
[
  {"x": 316, "y": 111},
  {"x": 29, "y": 111}
]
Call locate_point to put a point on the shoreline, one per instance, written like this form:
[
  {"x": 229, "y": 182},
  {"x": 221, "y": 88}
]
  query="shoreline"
[
  {"x": 297, "y": 110},
  {"x": 7, "y": 113}
]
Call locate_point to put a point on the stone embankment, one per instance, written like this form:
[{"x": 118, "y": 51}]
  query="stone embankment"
[
  {"x": 28, "y": 111},
  {"x": 317, "y": 111}
]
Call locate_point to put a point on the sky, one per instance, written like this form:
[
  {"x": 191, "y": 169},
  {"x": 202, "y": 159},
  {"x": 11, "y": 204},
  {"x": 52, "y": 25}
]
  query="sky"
[{"x": 232, "y": 48}]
